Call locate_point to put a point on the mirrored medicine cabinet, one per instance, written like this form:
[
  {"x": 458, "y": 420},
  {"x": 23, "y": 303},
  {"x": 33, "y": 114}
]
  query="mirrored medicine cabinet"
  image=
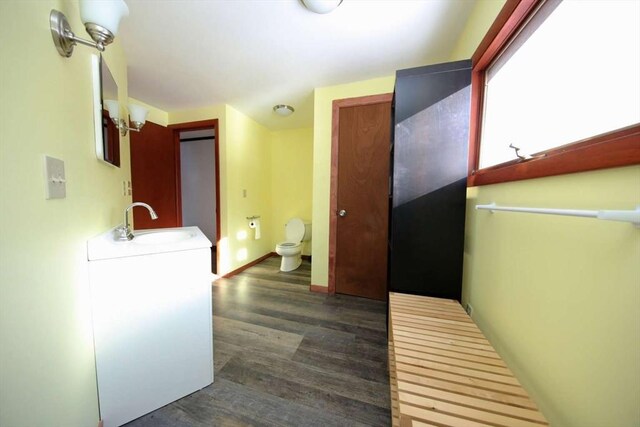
[{"x": 107, "y": 135}]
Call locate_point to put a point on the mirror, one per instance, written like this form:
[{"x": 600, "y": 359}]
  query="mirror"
[{"x": 107, "y": 135}]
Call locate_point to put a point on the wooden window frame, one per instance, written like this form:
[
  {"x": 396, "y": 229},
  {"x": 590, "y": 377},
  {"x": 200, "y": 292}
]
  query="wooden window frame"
[{"x": 620, "y": 147}]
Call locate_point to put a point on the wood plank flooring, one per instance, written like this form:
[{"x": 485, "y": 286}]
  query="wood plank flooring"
[{"x": 284, "y": 356}]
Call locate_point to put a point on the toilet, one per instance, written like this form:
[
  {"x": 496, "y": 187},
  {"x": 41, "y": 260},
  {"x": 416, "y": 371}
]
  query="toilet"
[{"x": 296, "y": 231}]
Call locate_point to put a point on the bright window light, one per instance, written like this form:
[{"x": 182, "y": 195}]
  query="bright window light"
[{"x": 576, "y": 76}]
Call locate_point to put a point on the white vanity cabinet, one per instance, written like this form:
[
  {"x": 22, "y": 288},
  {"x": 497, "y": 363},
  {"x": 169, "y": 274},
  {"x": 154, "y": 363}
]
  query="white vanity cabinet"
[{"x": 152, "y": 321}]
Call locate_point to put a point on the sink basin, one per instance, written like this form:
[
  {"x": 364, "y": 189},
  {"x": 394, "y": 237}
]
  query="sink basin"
[
  {"x": 161, "y": 237},
  {"x": 146, "y": 242}
]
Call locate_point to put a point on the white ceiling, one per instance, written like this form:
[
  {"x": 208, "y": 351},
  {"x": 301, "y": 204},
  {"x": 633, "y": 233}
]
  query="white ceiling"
[{"x": 253, "y": 54}]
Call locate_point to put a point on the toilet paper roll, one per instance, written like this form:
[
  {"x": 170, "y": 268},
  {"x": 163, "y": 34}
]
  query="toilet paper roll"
[{"x": 255, "y": 224}]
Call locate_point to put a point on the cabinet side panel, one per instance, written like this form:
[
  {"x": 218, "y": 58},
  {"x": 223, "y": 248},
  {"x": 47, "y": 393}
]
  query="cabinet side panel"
[
  {"x": 152, "y": 329},
  {"x": 429, "y": 183}
]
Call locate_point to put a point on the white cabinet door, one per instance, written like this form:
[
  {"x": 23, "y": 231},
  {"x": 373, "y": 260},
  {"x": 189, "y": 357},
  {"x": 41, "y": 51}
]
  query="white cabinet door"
[{"x": 152, "y": 330}]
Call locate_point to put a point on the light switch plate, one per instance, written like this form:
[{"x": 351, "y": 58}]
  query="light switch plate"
[{"x": 56, "y": 184}]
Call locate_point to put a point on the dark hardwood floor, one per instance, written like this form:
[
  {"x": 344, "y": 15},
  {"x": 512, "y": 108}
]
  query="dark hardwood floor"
[{"x": 284, "y": 356}]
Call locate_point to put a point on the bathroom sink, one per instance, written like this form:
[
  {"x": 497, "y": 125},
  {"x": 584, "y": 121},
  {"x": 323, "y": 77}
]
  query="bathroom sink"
[
  {"x": 161, "y": 237},
  {"x": 145, "y": 242}
]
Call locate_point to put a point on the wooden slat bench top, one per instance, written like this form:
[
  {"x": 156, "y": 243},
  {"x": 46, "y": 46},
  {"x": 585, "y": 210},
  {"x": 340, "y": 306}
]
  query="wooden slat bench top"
[{"x": 444, "y": 372}]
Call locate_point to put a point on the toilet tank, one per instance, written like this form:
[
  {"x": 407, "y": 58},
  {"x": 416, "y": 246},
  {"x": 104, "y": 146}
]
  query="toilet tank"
[{"x": 307, "y": 231}]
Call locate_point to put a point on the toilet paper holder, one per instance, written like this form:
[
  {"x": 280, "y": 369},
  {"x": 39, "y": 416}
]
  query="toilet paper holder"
[{"x": 254, "y": 221}]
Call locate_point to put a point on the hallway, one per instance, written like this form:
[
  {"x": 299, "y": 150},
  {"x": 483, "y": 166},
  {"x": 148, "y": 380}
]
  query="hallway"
[{"x": 285, "y": 356}]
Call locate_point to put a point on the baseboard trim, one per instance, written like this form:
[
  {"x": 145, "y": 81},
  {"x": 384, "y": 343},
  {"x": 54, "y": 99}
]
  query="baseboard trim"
[
  {"x": 319, "y": 289},
  {"x": 251, "y": 264}
]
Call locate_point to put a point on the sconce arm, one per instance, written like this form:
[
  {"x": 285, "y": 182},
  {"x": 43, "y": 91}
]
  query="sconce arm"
[
  {"x": 64, "y": 38},
  {"x": 70, "y": 35},
  {"x": 121, "y": 124}
]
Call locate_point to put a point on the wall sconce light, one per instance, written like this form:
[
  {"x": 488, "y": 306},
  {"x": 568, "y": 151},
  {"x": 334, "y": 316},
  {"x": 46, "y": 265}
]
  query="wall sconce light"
[
  {"x": 283, "y": 110},
  {"x": 321, "y": 6},
  {"x": 137, "y": 116},
  {"x": 101, "y": 19}
]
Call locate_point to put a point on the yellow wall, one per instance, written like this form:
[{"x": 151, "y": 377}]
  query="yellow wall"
[
  {"x": 323, "y": 99},
  {"x": 245, "y": 164},
  {"x": 206, "y": 113},
  {"x": 557, "y": 296},
  {"x": 291, "y": 180},
  {"x": 248, "y": 164},
  {"x": 47, "y": 373},
  {"x": 155, "y": 115},
  {"x": 482, "y": 16}
]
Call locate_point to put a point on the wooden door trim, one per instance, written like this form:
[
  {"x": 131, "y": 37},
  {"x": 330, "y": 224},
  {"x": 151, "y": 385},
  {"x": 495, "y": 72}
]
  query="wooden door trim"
[
  {"x": 178, "y": 180},
  {"x": 333, "y": 192},
  {"x": 199, "y": 125}
]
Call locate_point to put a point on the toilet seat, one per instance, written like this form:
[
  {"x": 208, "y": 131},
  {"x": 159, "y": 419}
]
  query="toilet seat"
[{"x": 289, "y": 244}]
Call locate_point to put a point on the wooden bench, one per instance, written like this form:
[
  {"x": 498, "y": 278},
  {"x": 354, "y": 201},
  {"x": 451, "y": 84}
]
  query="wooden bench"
[{"x": 444, "y": 372}]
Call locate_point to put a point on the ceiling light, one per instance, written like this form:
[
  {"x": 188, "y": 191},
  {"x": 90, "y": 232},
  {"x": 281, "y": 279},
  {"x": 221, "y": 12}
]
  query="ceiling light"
[
  {"x": 321, "y": 6},
  {"x": 283, "y": 110},
  {"x": 100, "y": 18}
]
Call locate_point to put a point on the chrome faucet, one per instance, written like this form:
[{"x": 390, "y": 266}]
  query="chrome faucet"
[{"x": 124, "y": 232}]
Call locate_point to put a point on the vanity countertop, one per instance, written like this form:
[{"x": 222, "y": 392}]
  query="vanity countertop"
[{"x": 152, "y": 241}]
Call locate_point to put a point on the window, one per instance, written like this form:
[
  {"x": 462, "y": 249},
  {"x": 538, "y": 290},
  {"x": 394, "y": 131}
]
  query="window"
[{"x": 557, "y": 74}]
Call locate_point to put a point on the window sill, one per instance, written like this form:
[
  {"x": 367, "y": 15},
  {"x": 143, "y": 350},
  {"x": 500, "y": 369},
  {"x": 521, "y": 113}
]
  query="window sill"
[{"x": 614, "y": 149}]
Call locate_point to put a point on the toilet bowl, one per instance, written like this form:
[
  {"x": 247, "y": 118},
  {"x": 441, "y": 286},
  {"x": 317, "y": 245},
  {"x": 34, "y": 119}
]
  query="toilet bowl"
[{"x": 296, "y": 231}]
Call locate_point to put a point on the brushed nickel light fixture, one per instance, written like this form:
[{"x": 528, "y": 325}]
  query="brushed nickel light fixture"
[
  {"x": 321, "y": 6},
  {"x": 283, "y": 110},
  {"x": 137, "y": 116},
  {"x": 101, "y": 19}
]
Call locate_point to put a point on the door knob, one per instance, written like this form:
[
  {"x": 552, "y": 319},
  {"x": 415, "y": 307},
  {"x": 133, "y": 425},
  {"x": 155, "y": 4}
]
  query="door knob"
[{"x": 342, "y": 213}]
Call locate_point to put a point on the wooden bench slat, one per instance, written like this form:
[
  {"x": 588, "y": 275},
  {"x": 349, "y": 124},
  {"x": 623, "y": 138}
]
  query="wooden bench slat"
[
  {"x": 418, "y": 352},
  {"x": 438, "y": 315},
  {"x": 444, "y": 340},
  {"x": 496, "y": 396},
  {"x": 454, "y": 324},
  {"x": 399, "y": 325},
  {"x": 464, "y": 411},
  {"x": 437, "y": 417},
  {"x": 431, "y": 309},
  {"x": 471, "y": 373},
  {"x": 461, "y": 379},
  {"x": 430, "y": 305},
  {"x": 454, "y": 354},
  {"x": 443, "y": 372},
  {"x": 416, "y": 423},
  {"x": 400, "y": 296},
  {"x": 421, "y": 324},
  {"x": 474, "y": 402}
]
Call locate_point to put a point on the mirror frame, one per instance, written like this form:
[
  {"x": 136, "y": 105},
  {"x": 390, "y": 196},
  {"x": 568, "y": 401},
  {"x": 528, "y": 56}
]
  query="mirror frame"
[{"x": 99, "y": 114}]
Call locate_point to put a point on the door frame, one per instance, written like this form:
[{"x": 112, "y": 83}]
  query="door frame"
[
  {"x": 198, "y": 125},
  {"x": 333, "y": 189}
]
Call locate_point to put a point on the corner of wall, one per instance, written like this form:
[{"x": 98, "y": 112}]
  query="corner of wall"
[{"x": 482, "y": 16}]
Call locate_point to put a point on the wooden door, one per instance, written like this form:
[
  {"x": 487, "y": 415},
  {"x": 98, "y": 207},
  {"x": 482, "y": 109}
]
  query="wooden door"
[
  {"x": 154, "y": 177},
  {"x": 362, "y": 199}
]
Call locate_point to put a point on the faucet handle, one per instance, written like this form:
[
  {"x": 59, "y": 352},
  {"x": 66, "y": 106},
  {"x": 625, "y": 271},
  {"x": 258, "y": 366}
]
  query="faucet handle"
[{"x": 122, "y": 233}]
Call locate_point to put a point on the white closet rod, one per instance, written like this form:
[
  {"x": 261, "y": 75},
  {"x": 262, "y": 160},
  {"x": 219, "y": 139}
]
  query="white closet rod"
[{"x": 632, "y": 216}]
